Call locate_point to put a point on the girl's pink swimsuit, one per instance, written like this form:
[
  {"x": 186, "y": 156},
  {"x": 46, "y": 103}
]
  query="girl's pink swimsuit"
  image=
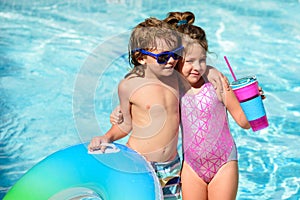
[{"x": 207, "y": 142}]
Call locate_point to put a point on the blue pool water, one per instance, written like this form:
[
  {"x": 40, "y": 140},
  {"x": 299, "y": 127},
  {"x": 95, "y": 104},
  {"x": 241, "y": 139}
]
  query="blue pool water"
[{"x": 60, "y": 63}]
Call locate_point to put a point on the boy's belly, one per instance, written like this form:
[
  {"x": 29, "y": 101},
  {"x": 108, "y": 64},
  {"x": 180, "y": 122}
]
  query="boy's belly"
[{"x": 157, "y": 149}]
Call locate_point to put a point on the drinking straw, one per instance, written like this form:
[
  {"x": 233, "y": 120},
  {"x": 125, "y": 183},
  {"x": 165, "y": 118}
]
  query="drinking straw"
[{"x": 230, "y": 68}]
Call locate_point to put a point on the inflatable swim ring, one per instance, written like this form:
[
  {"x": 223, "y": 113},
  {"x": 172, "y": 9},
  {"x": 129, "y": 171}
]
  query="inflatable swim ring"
[{"x": 73, "y": 173}]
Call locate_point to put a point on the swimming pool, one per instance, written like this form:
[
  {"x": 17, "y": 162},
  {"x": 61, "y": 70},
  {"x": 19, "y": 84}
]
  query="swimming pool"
[{"x": 47, "y": 50}]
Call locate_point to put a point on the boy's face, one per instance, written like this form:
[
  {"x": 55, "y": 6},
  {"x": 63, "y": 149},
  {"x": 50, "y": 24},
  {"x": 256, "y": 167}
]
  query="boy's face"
[{"x": 156, "y": 69}]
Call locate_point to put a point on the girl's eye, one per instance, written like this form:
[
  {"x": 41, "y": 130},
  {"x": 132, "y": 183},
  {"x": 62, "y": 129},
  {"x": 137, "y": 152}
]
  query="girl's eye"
[{"x": 202, "y": 60}]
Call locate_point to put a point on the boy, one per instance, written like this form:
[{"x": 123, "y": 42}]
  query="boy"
[{"x": 149, "y": 101}]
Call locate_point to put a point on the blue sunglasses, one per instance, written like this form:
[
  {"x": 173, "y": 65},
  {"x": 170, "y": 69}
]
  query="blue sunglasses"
[{"x": 162, "y": 58}]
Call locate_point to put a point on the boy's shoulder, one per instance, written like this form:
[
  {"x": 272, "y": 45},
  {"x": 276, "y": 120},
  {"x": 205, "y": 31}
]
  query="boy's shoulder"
[
  {"x": 130, "y": 83},
  {"x": 131, "y": 80}
]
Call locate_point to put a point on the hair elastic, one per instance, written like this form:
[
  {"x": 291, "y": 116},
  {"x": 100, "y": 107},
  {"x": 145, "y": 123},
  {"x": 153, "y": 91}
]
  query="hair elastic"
[{"x": 181, "y": 22}]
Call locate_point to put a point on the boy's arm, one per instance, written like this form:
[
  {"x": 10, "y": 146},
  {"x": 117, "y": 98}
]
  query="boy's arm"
[
  {"x": 215, "y": 77},
  {"x": 117, "y": 131},
  {"x": 124, "y": 93},
  {"x": 113, "y": 134}
]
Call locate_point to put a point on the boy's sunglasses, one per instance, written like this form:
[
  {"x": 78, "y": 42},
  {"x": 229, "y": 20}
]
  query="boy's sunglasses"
[{"x": 162, "y": 58}]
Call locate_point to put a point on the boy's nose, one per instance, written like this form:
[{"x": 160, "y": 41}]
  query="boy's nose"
[{"x": 171, "y": 59}]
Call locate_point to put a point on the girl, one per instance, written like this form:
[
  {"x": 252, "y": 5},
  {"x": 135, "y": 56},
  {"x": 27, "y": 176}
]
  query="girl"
[{"x": 210, "y": 168}]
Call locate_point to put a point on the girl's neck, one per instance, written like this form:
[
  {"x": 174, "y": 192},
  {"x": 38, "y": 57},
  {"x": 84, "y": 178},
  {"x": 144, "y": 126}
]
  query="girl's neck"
[{"x": 199, "y": 83}]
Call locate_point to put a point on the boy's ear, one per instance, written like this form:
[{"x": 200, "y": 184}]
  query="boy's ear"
[{"x": 142, "y": 60}]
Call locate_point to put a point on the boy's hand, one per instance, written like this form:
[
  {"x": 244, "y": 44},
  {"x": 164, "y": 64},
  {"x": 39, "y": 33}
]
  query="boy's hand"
[
  {"x": 96, "y": 143},
  {"x": 116, "y": 117},
  {"x": 261, "y": 92},
  {"x": 215, "y": 78}
]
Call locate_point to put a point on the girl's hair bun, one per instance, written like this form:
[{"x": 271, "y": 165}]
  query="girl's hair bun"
[{"x": 177, "y": 19}]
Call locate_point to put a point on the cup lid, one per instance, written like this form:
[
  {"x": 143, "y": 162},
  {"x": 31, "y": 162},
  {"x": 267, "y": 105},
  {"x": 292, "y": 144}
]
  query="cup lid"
[{"x": 243, "y": 82}]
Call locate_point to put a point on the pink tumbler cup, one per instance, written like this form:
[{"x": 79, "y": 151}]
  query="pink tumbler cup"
[{"x": 246, "y": 91}]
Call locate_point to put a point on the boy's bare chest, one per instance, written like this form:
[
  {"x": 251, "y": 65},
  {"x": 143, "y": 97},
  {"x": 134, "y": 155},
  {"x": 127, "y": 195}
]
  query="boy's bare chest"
[{"x": 154, "y": 93}]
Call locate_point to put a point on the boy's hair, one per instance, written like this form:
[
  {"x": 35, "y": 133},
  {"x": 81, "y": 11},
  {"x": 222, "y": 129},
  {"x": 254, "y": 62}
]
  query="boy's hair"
[
  {"x": 147, "y": 36},
  {"x": 183, "y": 22}
]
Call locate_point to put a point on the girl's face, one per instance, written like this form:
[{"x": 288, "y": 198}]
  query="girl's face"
[{"x": 193, "y": 65}]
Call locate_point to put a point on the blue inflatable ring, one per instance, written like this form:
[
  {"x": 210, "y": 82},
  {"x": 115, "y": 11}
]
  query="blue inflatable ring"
[{"x": 74, "y": 173}]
